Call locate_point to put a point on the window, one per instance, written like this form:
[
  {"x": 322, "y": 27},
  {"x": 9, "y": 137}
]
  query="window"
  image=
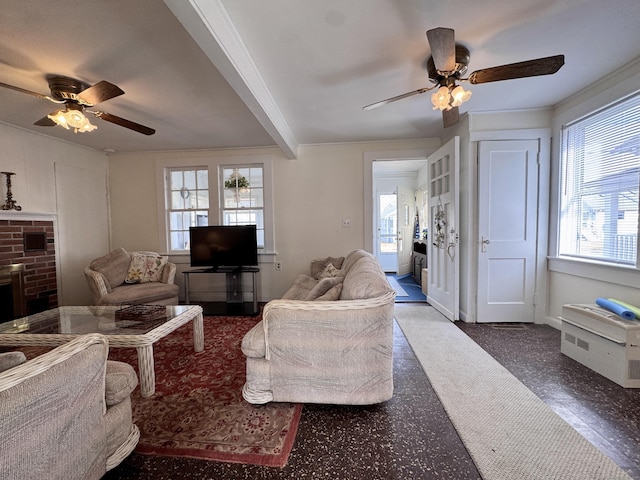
[
  {"x": 242, "y": 202},
  {"x": 188, "y": 191},
  {"x": 600, "y": 176},
  {"x": 388, "y": 223},
  {"x": 215, "y": 190}
]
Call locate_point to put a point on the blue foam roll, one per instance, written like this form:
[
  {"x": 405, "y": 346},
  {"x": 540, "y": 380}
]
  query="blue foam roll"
[{"x": 615, "y": 308}]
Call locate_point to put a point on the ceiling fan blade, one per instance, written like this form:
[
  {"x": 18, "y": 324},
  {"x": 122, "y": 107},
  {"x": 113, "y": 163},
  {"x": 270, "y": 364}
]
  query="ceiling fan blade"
[
  {"x": 29, "y": 92},
  {"x": 450, "y": 117},
  {"x": 45, "y": 122},
  {"x": 123, "y": 122},
  {"x": 529, "y": 68},
  {"x": 443, "y": 48},
  {"x": 399, "y": 97},
  {"x": 99, "y": 92}
]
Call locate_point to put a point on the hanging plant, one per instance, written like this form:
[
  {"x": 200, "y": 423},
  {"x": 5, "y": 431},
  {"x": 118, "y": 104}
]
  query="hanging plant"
[{"x": 236, "y": 181}]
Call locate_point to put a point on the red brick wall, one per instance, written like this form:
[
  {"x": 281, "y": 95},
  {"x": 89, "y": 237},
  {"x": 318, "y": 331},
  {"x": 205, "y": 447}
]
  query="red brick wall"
[{"x": 40, "y": 281}]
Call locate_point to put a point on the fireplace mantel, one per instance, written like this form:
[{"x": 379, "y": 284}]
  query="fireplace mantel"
[{"x": 28, "y": 216}]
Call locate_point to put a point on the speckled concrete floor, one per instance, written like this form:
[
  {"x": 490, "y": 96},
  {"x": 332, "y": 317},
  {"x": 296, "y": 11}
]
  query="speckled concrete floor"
[
  {"x": 410, "y": 437},
  {"x": 603, "y": 412}
]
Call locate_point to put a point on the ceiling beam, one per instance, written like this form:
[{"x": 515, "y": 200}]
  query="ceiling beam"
[{"x": 209, "y": 24}]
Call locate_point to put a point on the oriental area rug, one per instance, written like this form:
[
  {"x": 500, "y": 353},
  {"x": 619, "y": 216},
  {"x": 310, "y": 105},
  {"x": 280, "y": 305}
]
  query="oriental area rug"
[{"x": 198, "y": 410}]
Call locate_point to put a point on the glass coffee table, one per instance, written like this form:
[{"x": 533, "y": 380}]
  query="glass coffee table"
[{"x": 135, "y": 326}]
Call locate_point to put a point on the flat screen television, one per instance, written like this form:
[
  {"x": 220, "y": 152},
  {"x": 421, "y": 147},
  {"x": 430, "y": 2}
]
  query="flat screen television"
[{"x": 223, "y": 246}]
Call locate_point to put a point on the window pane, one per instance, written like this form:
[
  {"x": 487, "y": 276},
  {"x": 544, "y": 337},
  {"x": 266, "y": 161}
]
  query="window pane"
[
  {"x": 600, "y": 179},
  {"x": 190, "y": 179},
  {"x": 177, "y": 202},
  {"x": 175, "y": 221},
  {"x": 203, "y": 179},
  {"x": 179, "y": 241},
  {"x": 176, "y": 180},
  {"x": 203, "y": 199}
]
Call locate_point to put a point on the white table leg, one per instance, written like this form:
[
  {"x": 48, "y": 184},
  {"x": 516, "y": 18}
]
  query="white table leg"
[
  {"x": 198, "y": 334},
  {"x": 147, "y": 370}
]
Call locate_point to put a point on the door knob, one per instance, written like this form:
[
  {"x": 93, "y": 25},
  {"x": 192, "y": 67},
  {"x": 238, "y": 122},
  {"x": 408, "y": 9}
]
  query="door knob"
[{"x": 485, "y": 242}]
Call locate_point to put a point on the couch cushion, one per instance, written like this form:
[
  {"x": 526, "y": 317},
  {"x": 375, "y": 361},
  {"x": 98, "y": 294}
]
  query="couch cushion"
[
  {"x": 332, "y": 294},
  {"x": 113, "y": 266},
  {"x": 138, "y": 293},
  {"x": 365, "y": 280},
  {"x": 319, "y": 264},
  {"x": 145, "y": 267},
  {"x": 323, "y": 286},
  {"x": 121, "y": 380},
  {"x": 300, "y": 288}
]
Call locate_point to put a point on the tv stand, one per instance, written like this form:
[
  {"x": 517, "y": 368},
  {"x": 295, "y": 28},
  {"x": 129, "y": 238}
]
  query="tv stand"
[{"x": 235, "y": 304}]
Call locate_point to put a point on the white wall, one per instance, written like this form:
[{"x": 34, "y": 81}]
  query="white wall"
[
  {"x": 68, "y": 183},
  {"x": 569, "y": 281},
  {"x": 312, "y": 195}
]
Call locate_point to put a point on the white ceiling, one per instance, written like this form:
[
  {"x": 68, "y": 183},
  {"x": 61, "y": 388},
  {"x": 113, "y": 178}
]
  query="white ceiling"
[{"x": 292, "y": 72}]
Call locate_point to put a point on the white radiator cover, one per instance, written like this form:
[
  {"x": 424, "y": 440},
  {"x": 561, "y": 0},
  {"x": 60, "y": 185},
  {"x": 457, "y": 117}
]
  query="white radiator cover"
[{"x": 602, "y": 341}]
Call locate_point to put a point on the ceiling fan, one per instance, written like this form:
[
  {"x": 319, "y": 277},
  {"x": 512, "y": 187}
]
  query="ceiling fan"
[
  {"x": 447, "y": 65},
  {"x": 77, "y": 97}
]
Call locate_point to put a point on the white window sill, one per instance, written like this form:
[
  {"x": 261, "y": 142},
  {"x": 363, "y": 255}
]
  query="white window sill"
[{"x": 616, "y": 274}]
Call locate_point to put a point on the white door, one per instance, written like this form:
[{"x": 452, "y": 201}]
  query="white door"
[
  {"x": 406, "y": 216},
  {"x": 507, "y": 228},
  {"x": 443, "y": 240}
]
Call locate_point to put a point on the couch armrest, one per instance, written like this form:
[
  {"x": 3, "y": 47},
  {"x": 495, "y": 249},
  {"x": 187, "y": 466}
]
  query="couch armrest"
[
  {"x": 55, "y": 404},
  {"x": 169, "y": 273},
  {"x": 48, "y": 360},
  {"x": 121, "y": 380},
  {"x": 98, "y": 284}
]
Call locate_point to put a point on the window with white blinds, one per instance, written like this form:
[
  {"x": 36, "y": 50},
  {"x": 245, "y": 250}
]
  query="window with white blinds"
[{"x": 600, "y": 175}]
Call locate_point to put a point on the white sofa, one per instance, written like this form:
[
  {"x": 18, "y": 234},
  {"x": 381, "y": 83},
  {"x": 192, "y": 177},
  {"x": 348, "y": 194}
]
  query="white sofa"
[{"x": 328, "y": 340}]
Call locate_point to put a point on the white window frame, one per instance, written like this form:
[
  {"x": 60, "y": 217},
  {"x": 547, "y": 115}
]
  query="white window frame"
[
  {"x": 564, "y": 167},
  {"x": 213, "y": 161}
]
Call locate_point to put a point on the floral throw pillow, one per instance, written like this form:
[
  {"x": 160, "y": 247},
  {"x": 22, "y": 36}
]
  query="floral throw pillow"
[
  {"x": 329, "y": 271},
  {"x": 145, "y": 267}
]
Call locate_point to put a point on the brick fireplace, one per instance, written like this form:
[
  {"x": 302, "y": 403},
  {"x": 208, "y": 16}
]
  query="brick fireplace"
[{"x": 27, "y": 250}]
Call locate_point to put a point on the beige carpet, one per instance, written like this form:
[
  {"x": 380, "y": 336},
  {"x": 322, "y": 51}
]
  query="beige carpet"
[{"x": 509, "y": 432}]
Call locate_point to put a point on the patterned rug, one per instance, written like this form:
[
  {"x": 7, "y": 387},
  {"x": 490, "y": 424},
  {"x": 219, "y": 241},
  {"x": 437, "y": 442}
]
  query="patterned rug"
[{"x": 198, "y": 410}]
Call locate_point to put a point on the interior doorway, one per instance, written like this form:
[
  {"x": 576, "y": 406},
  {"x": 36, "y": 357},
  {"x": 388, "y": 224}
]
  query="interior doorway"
[{"x": 396, "y": 204}]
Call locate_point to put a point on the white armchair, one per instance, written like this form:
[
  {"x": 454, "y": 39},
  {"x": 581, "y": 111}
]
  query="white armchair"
[
  {"x": 132, "y": 278},
  {"x": 66, "y": 413}
]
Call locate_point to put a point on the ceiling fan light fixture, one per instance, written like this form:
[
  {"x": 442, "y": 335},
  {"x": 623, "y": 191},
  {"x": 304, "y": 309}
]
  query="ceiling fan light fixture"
[
  {"x": 59, "y": 118},
  {"x": 459, "y": 95},
  {"x": 440, "y": 99},
  {"x": 72, "y": 118}
]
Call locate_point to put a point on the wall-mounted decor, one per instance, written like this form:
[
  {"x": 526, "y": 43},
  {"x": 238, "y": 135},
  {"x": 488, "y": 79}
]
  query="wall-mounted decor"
[{"x": 10, "y": 204}]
